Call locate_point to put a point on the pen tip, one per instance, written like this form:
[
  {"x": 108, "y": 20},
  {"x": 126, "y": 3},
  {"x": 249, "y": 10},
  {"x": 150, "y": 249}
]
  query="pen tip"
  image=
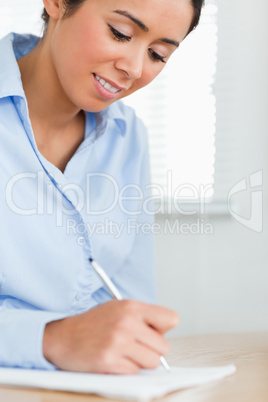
[{"x": 91, "y": 259}]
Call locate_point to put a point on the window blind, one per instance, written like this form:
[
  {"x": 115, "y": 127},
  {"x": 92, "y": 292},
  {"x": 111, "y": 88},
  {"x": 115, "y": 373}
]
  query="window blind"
[{"x": 179, "y": 109}]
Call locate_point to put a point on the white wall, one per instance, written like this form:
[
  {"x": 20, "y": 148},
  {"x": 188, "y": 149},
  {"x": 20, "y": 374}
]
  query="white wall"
[{"x": 219, "y": 282}]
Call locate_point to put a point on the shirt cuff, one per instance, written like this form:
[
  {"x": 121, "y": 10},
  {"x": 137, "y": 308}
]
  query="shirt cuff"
[{"x": 21, "y": 338}]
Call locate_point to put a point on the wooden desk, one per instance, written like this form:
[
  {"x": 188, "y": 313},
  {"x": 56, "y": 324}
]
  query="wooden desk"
[{"x": 249, "y": 352}]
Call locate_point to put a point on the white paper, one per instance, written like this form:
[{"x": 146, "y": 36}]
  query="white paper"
[{"x": 145, "y": 386}]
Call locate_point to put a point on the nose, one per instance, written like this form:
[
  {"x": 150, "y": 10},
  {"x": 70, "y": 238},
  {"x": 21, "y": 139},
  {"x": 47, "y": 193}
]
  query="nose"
[{"x": 132, "y": 64}]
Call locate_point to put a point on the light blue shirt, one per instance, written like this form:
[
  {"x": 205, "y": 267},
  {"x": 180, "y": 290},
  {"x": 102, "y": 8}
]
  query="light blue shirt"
[{"x": 53, "y": 222}]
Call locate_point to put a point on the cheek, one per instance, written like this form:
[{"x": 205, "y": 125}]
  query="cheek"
[
  {"x": 78, "y": 47},
  {"x": 67, "y": 50},
  {"x": 93, "y": 40}
]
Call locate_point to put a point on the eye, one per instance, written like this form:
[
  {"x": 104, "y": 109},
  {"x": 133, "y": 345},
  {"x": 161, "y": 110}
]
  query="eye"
[
  {"x": 119, "y": 35},
  {"x": 155, "y": 56}
]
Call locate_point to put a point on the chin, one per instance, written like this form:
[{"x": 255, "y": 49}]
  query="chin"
[{"x": 95, "y": 107}]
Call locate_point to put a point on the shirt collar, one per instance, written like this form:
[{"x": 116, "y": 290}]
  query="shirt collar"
[
  {"x": 14, "y": 46},
  {"x": 115, "y": 112}
]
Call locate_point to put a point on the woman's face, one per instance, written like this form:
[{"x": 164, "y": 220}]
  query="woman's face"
[{"x": 109, "y": 49}]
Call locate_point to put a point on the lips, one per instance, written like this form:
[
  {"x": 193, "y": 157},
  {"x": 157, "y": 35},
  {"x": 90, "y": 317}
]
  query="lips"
[
  {"x": 107, "y": 89},
  {"x": 107, "y": 85}
]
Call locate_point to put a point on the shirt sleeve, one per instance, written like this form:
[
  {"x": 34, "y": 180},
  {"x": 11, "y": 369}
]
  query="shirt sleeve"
[{"x": 21, "y": 337}]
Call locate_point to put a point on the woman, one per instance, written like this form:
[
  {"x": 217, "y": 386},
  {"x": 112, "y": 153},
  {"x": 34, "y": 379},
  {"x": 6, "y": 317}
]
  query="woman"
[{"x": 74, "y": 171}]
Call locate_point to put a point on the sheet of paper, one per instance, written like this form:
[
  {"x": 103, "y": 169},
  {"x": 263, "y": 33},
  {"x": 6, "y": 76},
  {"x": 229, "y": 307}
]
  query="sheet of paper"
[{"x": 145, "y": 386}]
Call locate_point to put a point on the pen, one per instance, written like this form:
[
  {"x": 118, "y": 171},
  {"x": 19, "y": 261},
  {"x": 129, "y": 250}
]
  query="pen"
[{"x": 117, "y": 295}]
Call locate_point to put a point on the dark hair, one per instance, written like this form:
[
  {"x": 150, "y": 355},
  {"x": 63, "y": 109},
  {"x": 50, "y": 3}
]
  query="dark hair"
[
  {"x": 72, "y": 5},
  {"x": 197, "y": 5}
]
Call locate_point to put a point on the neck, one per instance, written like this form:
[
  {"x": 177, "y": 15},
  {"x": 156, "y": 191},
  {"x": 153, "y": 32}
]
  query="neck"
[
  {"x": 58, "y": 125},
  {"x": 48, "y": 104}
]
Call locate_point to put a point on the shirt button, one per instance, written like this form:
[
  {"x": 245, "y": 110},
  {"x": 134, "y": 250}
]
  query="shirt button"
[
  {"x": 81, "y": 241},
  {"x": 77, "y": 297}
]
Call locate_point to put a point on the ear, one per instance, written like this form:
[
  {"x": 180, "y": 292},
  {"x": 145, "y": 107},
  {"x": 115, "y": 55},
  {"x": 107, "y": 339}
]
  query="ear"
[{"x": 53, "y": 8}]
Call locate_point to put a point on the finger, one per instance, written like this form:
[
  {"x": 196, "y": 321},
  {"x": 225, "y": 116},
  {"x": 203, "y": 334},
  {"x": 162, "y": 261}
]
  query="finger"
[
  {"x": 143, "y": 356},
  {"x": 160, "y": 318},
  {"x": 124, "y": 366},
  {"x": 150, "y": 338}
]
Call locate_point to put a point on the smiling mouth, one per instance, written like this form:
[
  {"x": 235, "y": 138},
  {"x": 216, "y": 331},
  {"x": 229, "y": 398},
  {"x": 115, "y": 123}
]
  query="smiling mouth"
[{"x": 107, "y": 85}]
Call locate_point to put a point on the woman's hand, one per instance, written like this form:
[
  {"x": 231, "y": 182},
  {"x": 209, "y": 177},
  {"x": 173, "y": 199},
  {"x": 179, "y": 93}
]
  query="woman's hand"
[{"x": 118, "y": 337}]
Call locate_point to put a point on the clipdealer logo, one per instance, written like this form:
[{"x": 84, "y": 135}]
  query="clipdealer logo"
[{"x": 255, "y": 220}]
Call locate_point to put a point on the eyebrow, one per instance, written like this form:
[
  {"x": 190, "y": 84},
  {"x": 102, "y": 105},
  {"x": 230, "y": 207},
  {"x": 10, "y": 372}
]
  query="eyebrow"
[
  {"x": 143, "y": 27},
  {"x": 172, "y": 42},
  {"x": 140, "y": 24}
]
